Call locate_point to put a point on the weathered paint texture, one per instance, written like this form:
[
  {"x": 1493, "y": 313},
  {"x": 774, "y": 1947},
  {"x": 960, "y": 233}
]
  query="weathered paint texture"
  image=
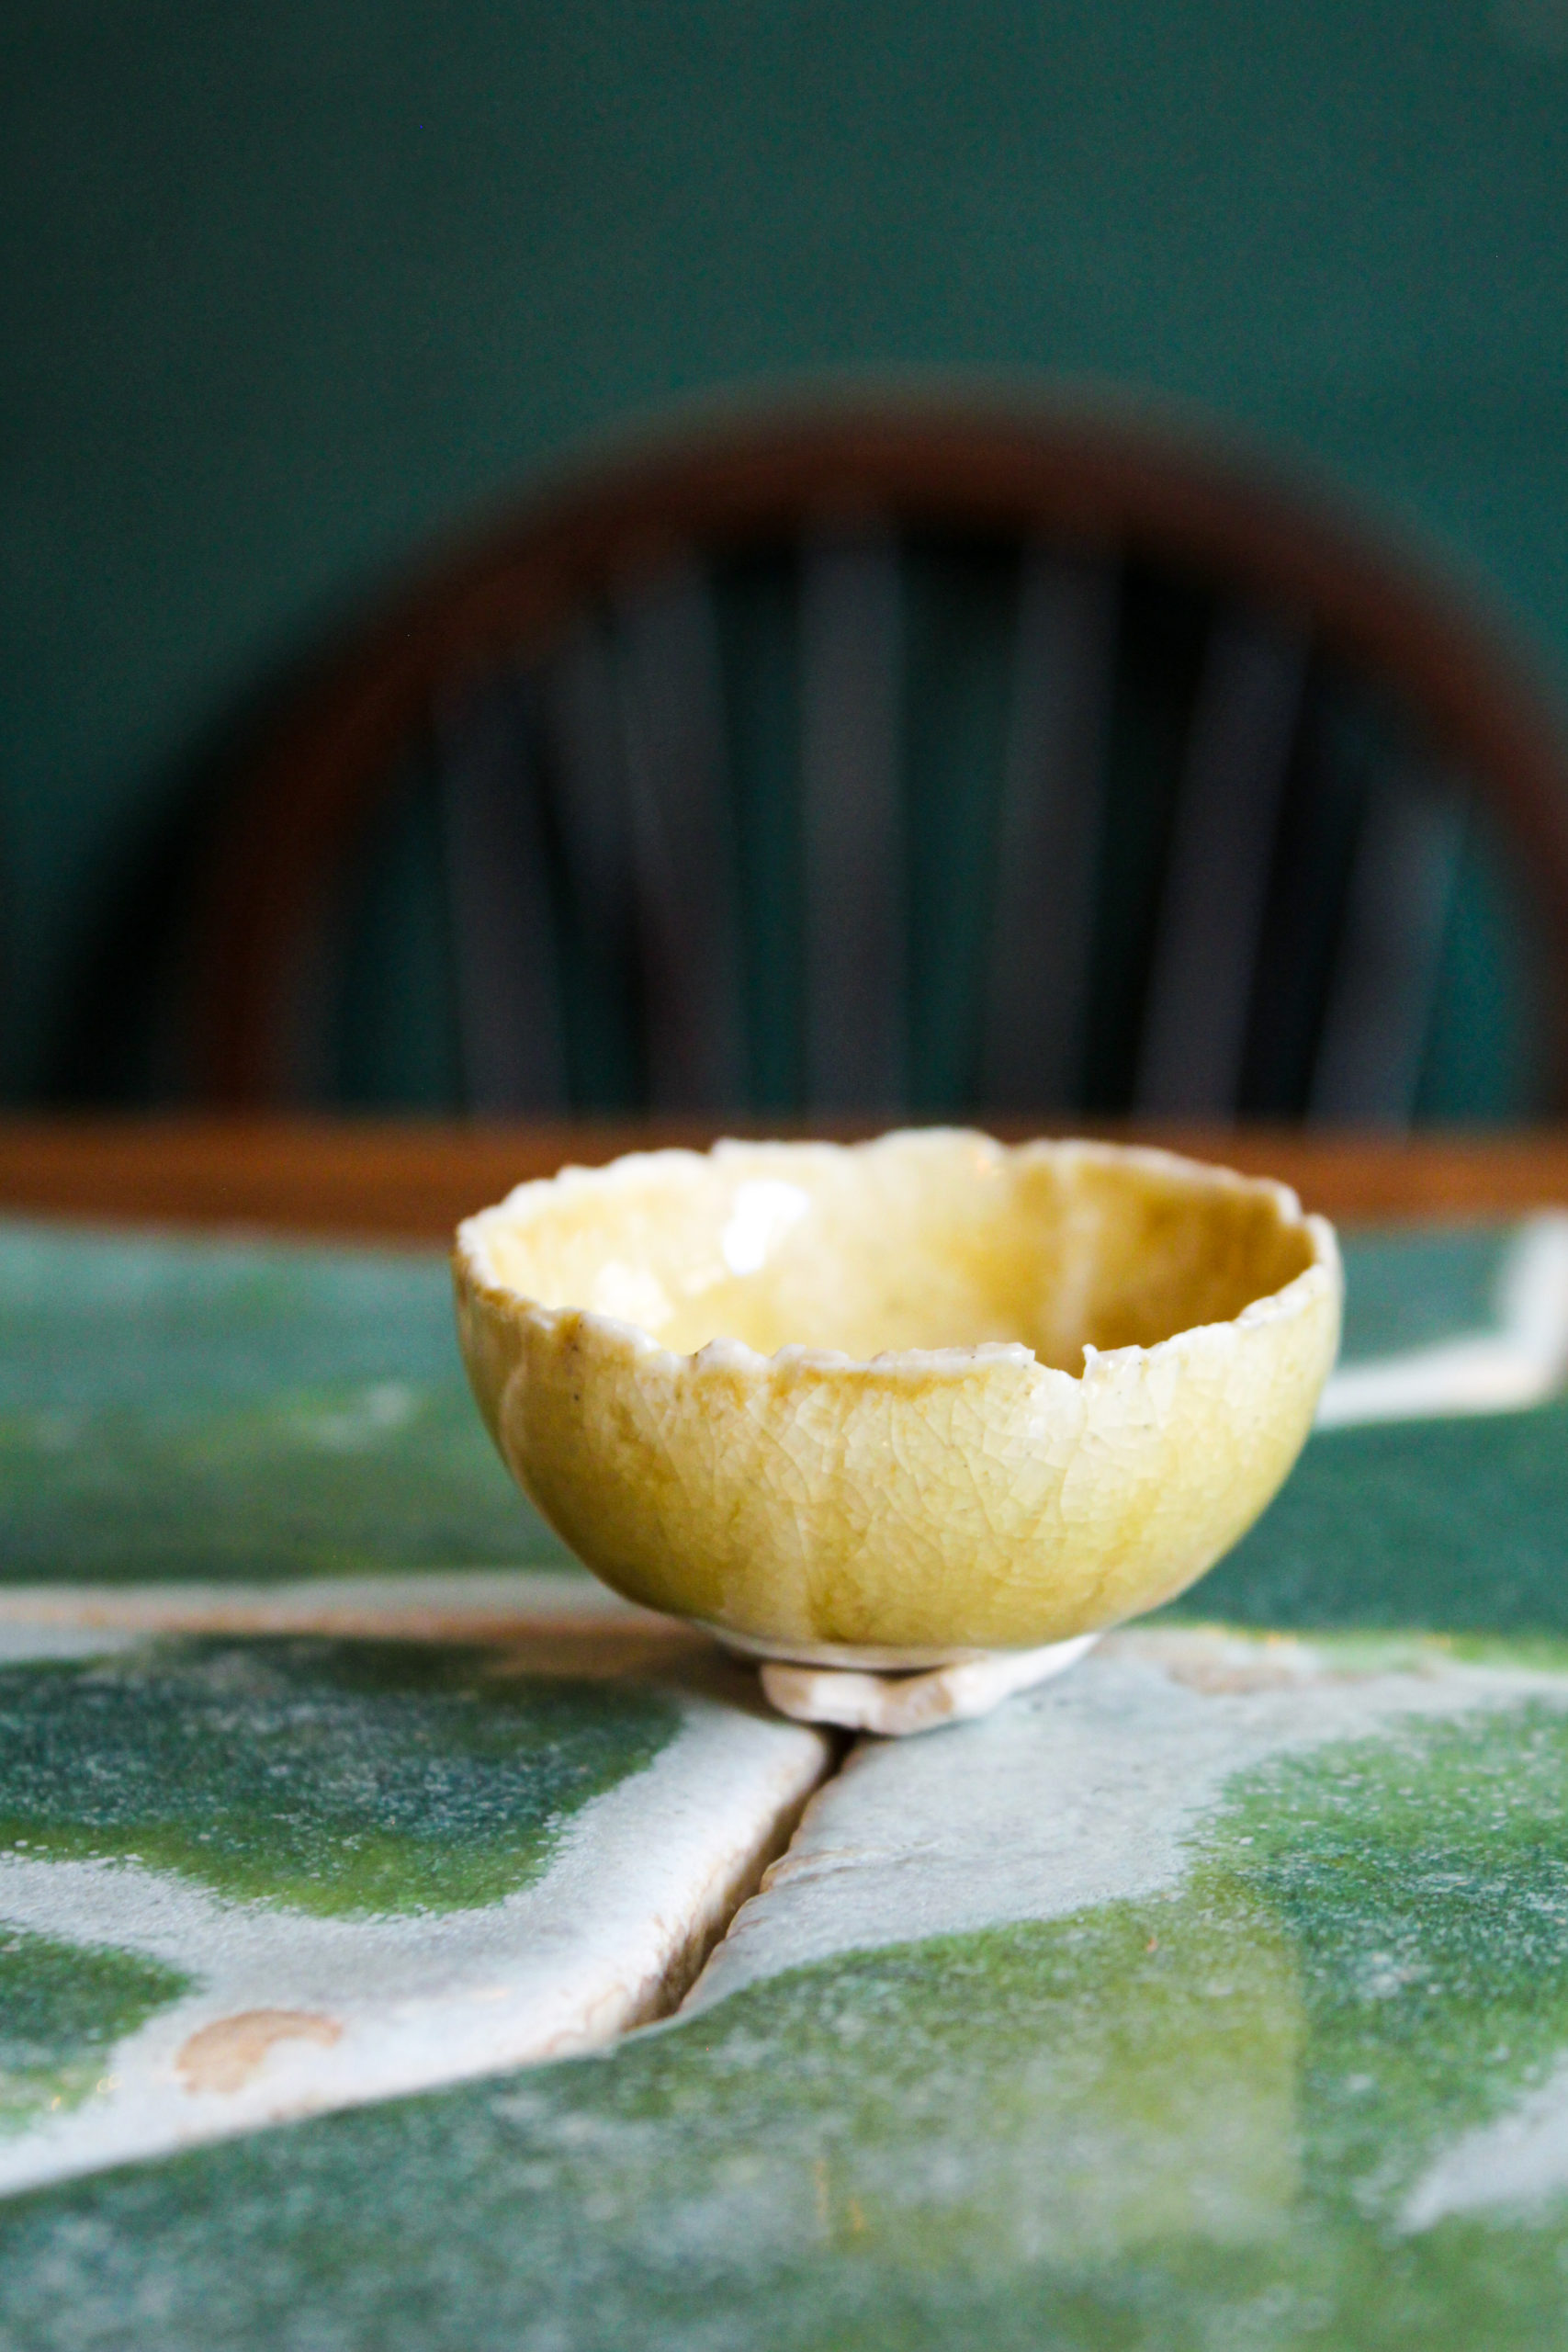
[
  {"x": 1177, "y": 2087},
  {"x": 243, "y": 1879},
  {"x": 200, "y": 1410},
  {"x": 1216, "y": 1994}
]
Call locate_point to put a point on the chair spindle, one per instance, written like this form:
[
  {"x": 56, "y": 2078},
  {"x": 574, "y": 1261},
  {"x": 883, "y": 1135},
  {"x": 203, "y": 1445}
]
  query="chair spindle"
[
  {"x": 1048, "y": 836},
  {"x": 1216, "y": 890},
  {"x": 685, "y": 874},
  {"x": 856, "y": 1044},
  {"x": 506, "y": 968},
  {"x": 1366, "y": 1071}
]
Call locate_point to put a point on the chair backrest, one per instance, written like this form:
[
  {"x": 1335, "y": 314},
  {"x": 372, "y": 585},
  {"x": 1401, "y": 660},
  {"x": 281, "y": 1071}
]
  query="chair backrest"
[{"x": 909, "y": 757}]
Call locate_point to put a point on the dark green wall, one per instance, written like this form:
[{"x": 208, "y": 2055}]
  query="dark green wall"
[{"x": 286, "y": 285}]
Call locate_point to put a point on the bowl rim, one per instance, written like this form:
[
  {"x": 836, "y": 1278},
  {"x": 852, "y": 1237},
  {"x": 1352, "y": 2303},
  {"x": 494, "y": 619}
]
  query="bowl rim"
[{"x": 726, "y": 1355}]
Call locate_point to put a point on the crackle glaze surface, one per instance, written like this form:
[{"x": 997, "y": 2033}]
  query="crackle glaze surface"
[{"x": 922, "y": 1395}]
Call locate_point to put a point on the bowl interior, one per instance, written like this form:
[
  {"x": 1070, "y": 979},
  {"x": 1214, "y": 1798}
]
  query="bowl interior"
[{"x": 931, "y": 1240}]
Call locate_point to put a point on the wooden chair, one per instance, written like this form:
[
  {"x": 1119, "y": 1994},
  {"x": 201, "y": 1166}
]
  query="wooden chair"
[{"x": 907, "y": 756}]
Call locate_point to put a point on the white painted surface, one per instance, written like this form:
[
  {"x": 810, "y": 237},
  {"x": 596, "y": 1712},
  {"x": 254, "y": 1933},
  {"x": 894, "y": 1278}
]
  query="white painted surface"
[
  {"x": 641, "y": 1879},
  {"x": 1522, "y": 1363},
  {"x": 1517, "y": 2163},
  {"x": 1080, "y": 1793},
  {"x": 430, "y": 1604}
]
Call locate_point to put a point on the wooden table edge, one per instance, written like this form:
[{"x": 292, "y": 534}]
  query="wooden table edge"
[{"x": 410, "y": 1180}]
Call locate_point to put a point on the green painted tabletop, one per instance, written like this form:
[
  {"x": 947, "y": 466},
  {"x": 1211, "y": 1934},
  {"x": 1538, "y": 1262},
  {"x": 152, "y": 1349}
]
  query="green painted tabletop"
[
  {"x": 208, "y": 1409},
  {"x": 1216, "y": 1994}
]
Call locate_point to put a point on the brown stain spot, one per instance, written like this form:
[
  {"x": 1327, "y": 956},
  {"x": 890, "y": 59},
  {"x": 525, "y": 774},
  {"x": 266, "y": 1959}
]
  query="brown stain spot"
[
  {"x": 223, "y": 2056},
  {"x": 611, "y": 1650},
  {"x": 1226, "y": 1670},
  {"x": 1212, "y": 1676}
]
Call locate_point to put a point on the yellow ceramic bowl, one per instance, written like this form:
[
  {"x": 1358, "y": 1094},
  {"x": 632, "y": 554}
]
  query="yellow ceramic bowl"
[{"x": 898, "y": 1403}]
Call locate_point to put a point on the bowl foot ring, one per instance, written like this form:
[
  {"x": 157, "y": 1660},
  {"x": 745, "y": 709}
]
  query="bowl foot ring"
[{"x": 894, "y": 1705}]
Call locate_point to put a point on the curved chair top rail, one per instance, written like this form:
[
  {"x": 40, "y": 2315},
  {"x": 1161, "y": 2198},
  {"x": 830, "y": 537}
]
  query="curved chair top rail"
[{"x": 1097, "y": 484}]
